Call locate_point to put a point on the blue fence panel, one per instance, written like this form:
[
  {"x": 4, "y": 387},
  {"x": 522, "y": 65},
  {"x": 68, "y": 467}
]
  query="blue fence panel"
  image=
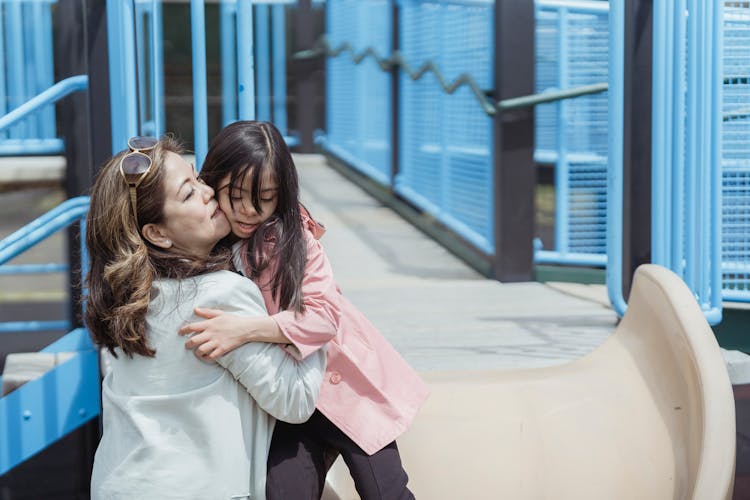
[
  {"x": 358, "y": 104},
  {"x": 686, "y": 148},
  {"x": 445, "y": 162},
  {"x": 26, "y": 70},
  {"x": 736, "y": 153},
  {"x": 571, "y": 51}
]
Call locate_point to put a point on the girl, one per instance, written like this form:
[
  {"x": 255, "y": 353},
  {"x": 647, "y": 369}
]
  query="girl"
[{"x": 369, "y": 394}]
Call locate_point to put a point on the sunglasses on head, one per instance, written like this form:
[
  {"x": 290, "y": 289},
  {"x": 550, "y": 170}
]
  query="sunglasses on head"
[{"x": 135, "y": 165}]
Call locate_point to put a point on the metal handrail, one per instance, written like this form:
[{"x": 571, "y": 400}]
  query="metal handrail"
[
  {"x": 60, "y": 217},
  {"x": 323, "y": 47},
  {"x": 53, "y": 94}
]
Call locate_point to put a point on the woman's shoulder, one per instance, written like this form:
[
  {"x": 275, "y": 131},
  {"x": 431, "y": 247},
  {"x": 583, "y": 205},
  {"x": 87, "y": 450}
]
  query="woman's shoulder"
[{"x": 215, "y": 285}]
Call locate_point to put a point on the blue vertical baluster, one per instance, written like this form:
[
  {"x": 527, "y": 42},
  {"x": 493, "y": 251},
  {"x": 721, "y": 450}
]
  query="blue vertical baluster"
[
  {"x": 677, "y": 165},
  {"x": 228, "y": 61},
  {"x": 614, "y": 179},
  {"x": 279, "y": 67},
  {"x": 30, "y": 34},
  {"x": 3, "y": 87},
  {"x": 703, "y": 188},
  {"x": 14, "y": 31},
  {"x": 49, "y": 74},
  {"x": 562, "y": 173},
  {"x": 245, "y": 60},
  {"x": 263, "y": 62},
  {"x": 717, "y": 69},
  {"x": 660, "y": 140},
  {"x": 122, "y": 71},
  {"x": 157, "y": 65},
  {"x": 691, "y": 170},
  {"x": 200, "y": 100}
]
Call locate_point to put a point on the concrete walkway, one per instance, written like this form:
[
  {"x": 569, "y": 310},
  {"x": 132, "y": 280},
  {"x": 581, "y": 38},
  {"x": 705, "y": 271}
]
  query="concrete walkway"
[{"x": 438, "y": 312}]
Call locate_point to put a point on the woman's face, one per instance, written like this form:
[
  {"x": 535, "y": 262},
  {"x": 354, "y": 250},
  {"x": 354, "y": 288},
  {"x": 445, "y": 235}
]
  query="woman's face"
[
  {"x": 243, "y": 217},
  {"x": 193, "y": 221}
]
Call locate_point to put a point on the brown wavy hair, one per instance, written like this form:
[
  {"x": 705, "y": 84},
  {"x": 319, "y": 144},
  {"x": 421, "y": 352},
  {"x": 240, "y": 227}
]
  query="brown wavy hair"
[{"x": 124, "y": 264}]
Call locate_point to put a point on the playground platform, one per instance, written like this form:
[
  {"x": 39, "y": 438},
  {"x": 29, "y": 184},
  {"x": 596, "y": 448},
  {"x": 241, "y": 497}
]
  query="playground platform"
[{"x": 437, "y": 311}]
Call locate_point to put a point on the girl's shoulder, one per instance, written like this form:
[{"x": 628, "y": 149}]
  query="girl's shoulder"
[{"x": 317, "y": 229}]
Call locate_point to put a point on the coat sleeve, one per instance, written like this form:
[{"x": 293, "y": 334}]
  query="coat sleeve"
[
  {"x": 319, "y": 322},
  {"x": 283, "y": 386}
]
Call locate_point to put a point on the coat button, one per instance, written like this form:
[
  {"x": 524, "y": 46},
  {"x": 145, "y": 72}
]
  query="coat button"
[{"x": 335, "y": 378}]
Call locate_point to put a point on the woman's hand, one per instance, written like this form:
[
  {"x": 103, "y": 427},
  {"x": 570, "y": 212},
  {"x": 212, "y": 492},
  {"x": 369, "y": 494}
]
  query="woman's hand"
[{"x": 222, "y": 332}]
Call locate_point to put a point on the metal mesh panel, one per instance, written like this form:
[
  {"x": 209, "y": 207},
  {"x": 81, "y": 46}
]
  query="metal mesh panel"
[
  {"x": 587, "y": 205},
  {"x": 359, "y": 96},
  {"x": 446, "y": 140},
  {"x": 571, "y": 51},
  {"x": 547, "y": 77},
  {"x": 736, "y": 152}
]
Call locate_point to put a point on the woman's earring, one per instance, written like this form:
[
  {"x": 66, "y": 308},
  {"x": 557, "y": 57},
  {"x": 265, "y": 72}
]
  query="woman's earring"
[{"x": 168, "y": 243}]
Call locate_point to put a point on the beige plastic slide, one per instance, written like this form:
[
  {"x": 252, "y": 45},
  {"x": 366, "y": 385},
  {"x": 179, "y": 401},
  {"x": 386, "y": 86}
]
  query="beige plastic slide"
[{"x": 647, "y": 415}]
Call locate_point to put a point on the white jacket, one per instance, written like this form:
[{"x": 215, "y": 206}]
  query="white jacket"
[{"x": 178, "y": 427}]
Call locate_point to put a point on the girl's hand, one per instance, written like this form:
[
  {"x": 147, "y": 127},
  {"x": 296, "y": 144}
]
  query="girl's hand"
[{"x": 222, "y": 332}]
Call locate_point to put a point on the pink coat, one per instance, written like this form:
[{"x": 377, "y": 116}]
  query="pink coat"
[{"x": 368, "y": 391}]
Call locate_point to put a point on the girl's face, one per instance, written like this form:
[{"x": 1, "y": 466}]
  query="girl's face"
[
  {"x": 243, "y": 218},
  {"x": 193, "y": 221}
]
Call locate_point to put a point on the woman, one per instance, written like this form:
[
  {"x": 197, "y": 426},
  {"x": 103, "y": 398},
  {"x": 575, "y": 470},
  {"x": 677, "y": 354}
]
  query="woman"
[{"x": 176, "y": 426}]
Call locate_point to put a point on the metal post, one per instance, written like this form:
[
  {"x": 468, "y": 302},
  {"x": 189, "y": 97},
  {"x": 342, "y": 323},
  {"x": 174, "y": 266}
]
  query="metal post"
[
  {"x": 395, "y": 75},
  {"x": 305, "y": 99},
  {"x": 81, "y": 48},
  {"x": 513, "y": 142},
  {"x": 636, "y": 177}
]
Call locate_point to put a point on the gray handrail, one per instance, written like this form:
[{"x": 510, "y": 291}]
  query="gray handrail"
[{"x": 490, "y": 107}]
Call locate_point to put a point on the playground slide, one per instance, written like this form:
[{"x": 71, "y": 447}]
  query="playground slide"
[{"x": 648, "y": 415}]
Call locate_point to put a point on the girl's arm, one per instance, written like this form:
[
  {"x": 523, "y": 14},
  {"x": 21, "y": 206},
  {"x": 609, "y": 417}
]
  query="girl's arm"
[
  {"x": 319, "y": 322},
  {"x": 307, "y": 332},
  {"x": 283, "y": 386},
  {"x": 222, "y": 332}
]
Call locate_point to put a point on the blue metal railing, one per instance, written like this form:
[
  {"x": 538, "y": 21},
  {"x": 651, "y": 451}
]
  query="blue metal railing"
[
  {"x": 686, "y": 148},
  {"x": 45, "y": 409},
  {"x": 67, "y": 213},
  {"x": 26, "y": 69},
  {"x": 49, "y": 96},
  {"x": 571, "y": 50},
  {"x": 358, "y": 116},
  {"x": 253, "y": 50},
  {"x": 735, "y": 160},
  {"x": 250, "y": 32}
]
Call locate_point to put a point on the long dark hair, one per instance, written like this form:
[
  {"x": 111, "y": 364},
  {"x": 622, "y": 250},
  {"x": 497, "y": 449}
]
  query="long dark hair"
[
  {"x": 251, "y": 148},
  {"x": 123, "y": 264}
]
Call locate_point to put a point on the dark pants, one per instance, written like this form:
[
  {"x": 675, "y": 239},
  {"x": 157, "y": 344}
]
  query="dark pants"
[{"x": 301, "y": 455}]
